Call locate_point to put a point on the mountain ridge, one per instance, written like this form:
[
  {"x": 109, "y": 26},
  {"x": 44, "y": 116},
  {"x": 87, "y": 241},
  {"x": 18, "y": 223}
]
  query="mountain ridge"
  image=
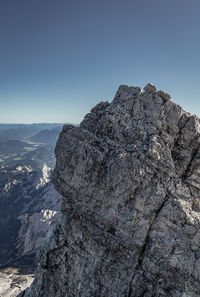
[{"x": 130, "y": 217}]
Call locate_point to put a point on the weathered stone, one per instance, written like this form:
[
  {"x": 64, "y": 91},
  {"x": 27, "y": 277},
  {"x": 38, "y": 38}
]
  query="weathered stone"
[
  {"x": 164, "y": 95},
  {"x": 100, "y": 106},
  {"x": 150, "y": 88},
  {"x": 125, "y": 92},
  {"x": 129, "y": 176}
]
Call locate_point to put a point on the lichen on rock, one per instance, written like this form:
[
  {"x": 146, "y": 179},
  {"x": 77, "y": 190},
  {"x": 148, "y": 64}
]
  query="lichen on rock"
[{"x": 129, "y": 177}]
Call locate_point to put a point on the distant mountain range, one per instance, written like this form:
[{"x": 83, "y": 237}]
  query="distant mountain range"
[{"x": 23, "y": 131}]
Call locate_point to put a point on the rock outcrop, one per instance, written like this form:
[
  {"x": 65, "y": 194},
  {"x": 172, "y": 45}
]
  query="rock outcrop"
[{"x": 129, "y": 177}]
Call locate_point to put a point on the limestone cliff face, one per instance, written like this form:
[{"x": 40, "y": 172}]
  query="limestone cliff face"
[{"x": 129, "y": 177}]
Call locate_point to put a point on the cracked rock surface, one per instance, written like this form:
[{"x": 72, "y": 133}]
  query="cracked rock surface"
[{"x": 130, "y": 181}]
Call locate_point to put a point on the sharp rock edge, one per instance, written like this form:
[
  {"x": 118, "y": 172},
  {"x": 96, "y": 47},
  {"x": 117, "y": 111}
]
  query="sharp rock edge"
[{"x": 130, "y": 180}]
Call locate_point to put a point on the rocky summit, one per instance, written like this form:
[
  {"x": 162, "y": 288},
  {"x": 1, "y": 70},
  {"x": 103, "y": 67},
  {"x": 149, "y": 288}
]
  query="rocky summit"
[{"x": 130, "y": 181}]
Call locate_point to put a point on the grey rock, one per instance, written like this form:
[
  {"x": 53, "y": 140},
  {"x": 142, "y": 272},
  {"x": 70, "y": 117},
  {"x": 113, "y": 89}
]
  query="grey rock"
[
  {"x": 124, "y": 92},
  {"x": 100, "y": 106},
  {"x": 150, "y": 88},
  {"x": 164, "y": 95},
  {"x": 129, "y": 177}
]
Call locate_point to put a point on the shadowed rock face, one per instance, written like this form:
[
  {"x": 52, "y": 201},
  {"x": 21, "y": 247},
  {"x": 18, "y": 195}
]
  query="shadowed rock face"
[{"x": 129, "y": 176}]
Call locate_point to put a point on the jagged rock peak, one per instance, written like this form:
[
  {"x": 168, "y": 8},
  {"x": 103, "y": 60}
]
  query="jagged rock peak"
[
  {"x": 130, "y": 180},
  {"x": 150, "y": 88},
  {"x": 125, "y": 92}
]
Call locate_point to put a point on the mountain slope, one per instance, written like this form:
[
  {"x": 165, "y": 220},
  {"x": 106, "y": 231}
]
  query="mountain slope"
[
  {"x": 129, "y": 177},
  {"x": 12, "y": 147},
  {"x": 22, "y": 131},
  {"x": 29, "y": 205},
  {"x": 46, "y": 136}
]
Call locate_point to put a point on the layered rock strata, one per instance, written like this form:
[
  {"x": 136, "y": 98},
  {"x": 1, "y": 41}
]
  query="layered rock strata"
[{"x": 129, "y": 177}]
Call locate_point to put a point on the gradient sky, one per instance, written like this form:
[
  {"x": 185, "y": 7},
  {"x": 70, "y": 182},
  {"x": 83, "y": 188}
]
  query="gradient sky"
[{"x": 59, "y": 58}]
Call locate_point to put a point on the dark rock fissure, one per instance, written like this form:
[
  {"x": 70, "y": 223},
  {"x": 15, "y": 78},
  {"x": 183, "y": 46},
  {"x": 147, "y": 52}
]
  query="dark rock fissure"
[
  {"x": 143, "y": 250},
  {"x": 185, "y": 175}
]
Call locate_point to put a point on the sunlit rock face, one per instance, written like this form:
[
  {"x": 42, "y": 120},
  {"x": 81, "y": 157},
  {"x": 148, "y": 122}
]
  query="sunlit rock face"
[{"x": 129, "y": 177}]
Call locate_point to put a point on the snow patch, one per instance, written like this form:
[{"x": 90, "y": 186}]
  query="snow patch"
[
  {"x": 7, "y": 186},
  {"x": 24, "y": 168},
  {"x": 48, "y": 214},
  {"x": 45, "y": 176}
]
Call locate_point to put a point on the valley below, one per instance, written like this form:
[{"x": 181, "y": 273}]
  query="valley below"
[{"x": 29, "y": 204}]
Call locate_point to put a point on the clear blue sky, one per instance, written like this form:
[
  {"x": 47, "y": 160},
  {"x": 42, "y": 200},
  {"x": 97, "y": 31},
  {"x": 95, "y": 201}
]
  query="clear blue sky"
[{"x": 58, "y": 58}]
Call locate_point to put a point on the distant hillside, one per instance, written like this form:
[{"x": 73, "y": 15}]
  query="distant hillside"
[
  {"x": 12, "y": 147},
  {"x": 23, "y": 131},
  {"x": 46, "y": 136}
]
